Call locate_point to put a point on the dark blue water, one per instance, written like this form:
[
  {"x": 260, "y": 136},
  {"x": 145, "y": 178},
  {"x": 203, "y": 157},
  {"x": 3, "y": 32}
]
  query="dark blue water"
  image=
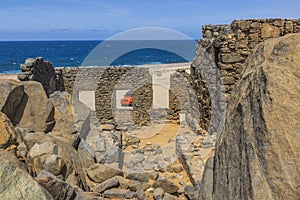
[{"x": 72, "y": 54}]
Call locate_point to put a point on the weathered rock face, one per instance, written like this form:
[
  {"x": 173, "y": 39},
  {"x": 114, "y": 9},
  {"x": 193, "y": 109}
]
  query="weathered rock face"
[
  {"x": 12, "y": 95},
  {"x": 37, "y": 69},
  {"x": 55, "y": 155},
  {"x": 64, "y": 121},
  {"x": 8, "y": 135},
  {"x": 258, "y": 152},
  {"x": 99, "y": 172},
  {"x": 58, "y": 188},
  {"x": 16, "y": 183},
  {"x": 38, "y": 111}
]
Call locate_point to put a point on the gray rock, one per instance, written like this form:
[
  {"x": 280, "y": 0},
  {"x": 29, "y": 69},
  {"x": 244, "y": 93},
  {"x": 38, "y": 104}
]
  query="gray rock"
[
  {"x": 137, "y": 175},
  {"x": 255, "y": 155},
  {"x": 54, "y": 164},
  {"x": 16, "y": 183},
  {"x": 42, "y": 149},
  {"x": 130, "y": 195},
  {"x": 86, "y": 154},
  {"x": 141, "y": 194},
  {"x": 206, "y": 189},
  {"x": 153, "y": 175},
  {"x": 8, "y": 134},
  {"x": 166, "y": 185},
  {"x": 39, "y": 117},
  {"x": 135, "y": 186},
  {"x": 36, "y": 69},
  {"x": 110, "y": 183},
  {"x": 191, "y": 192},
  {"x": 58, "y": 156},
  {"x": 107, "y": 127},
  {"x": 64, "y": 120},
  {"x": 158, "y": 194},
  {"x": 12, "y": 96},
  {"x": 100, "y": 172},
  {"x": 31, "y": 139},
  {"x": 168, "y": 196},
  {"x": 115, "y": 193},
  {"x": 57, "y": 187}
]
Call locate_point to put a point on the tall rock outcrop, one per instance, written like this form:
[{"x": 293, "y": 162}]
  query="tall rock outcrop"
[
  {"x": 40, "y": 70},
  {"x": 258, "y": 152},
  {"x": 37, "y": 111},
  {"x": 26, "y": 105}
]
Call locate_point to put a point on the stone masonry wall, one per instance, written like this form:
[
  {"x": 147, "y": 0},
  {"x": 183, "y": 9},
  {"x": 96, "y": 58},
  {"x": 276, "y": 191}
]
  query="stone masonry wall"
[
  {"x": 105, "y": 81},
  {"x": 220, "y": 57}
]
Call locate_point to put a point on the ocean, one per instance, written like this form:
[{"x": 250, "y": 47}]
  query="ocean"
[{"x": 73, "y": 53}]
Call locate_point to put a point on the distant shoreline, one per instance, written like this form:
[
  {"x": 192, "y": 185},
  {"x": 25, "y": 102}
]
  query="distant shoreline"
[
  {"x": 154, "y": 66},
  {"x": 9, "y": 76}
]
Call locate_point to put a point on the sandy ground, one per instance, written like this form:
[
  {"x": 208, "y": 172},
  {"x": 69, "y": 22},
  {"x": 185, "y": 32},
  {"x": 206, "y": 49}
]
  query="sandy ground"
[
  {"x": 155, "y": 134},
  {"x": 9, "y": 76}
]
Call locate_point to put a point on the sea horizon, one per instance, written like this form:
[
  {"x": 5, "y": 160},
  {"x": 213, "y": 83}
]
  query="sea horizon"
[{"x": 72, "y": 53}]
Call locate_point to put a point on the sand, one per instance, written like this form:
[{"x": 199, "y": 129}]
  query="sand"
[{"x": 9, "y": 76}]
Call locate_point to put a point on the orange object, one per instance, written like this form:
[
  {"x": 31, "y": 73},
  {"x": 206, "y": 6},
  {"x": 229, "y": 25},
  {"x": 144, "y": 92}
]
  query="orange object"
[{"x": 127, "y": 99}]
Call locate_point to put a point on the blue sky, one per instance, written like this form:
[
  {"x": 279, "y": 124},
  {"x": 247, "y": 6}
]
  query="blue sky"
[{"x": 99, "y": 19}]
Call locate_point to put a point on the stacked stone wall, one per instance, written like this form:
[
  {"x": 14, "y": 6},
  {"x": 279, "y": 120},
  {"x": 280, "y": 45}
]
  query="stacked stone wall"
[
  {"x": 105, "y": 81},
  {"x": 220, "y": 58}
]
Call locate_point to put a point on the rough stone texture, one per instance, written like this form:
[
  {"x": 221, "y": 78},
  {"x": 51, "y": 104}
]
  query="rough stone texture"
[
  {"x": 257, "y": 156},
  {"x": 86, "y": 154},
  {"x": 16, "y": 183},
  {"x": 192, "y": 193},
  {"x": 56, "y": 155},
  {"x": 99, "y": 172},
  {"x": 206, "y": 189},
  {"x": 168, "y": 196},
  {"x": 220, "y": 58},
  {"x": 37, "y": 69},
  {"x": 57, "y": 187},
  {"x": 8, "y": 135},
  {"x": 105, "y": 81},
  {"x": 38, "y": 111},
  {"x": 158, "y": 194},
  {"x": 107, "y": 184},
  {"x": 193, "y": 150},
  {"x": 115, "y": 193},
  {"x": 11, "y": 98},
  {"x": 138, "y": 79},
  {"x": 166, "y": 185},
  {"x": 64, "y": 121},
  {"x": 137, "y": 175}
]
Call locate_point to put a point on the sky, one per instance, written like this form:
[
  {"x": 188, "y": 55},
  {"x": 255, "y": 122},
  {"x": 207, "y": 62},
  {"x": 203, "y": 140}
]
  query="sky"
[{"x": 100, "y": 19}]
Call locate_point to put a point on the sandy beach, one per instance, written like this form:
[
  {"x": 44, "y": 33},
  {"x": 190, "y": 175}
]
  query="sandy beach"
[{"x": 8, "y": 76}]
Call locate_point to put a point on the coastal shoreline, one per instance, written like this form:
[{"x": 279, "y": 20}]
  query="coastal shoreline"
[
  {"x": 153, "y": 66},
  {"x": 9, "y": 76}
]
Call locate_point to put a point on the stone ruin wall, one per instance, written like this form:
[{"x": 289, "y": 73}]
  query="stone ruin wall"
[
  {"x": 105, "y": 81},
  {"x": 123, "y": 78},
  {"x": 40, "y": 70},
  {"x": 220, "y": 58}
]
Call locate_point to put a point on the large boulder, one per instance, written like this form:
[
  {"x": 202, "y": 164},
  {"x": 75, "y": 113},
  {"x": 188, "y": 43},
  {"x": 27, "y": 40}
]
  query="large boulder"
[
  {"x": 258, "y": 152},
  {"x": 38, "y": 111},
  {"x": 166, "y": 185},
  {"x": 12, "y": 95},
  {"x": 60, "y": 189},
  {"x": 64, "y": 121},
  {"x": 100, "y": 172},
  {"x": 8, "y": 135},
  {"x": 55, "y": 155},
  {"x": 16, "y": 183}
]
